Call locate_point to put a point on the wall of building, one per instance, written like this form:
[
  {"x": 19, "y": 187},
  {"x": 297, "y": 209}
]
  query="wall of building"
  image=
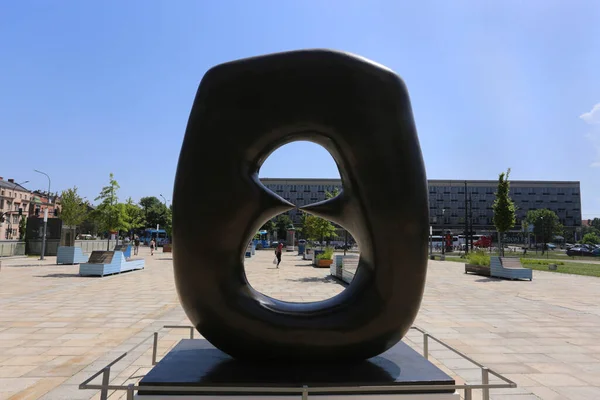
[
  {"x": 447, "y": 202},
  {"x": 12, "y": 198},
  {"x": 302, "y": 191}
]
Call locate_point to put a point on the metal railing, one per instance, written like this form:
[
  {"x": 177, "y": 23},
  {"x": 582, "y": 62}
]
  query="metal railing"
[{"x": 303, "y": 391}]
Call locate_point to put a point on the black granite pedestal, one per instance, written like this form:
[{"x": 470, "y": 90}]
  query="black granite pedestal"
[{"x": 196, "y": 363}]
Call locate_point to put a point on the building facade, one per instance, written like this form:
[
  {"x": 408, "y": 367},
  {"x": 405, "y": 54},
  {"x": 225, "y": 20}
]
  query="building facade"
[
  {"x": 14, "y": 205},
  {"x": 451, "y": 201},
  {"x": 40, "y": 201},
  {"x": 18, "y": 202}
]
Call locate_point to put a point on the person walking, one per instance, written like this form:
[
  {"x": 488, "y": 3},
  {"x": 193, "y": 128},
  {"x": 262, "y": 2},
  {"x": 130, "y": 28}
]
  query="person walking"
[
  {"x": 152, "y": 244},
  {"x": 278, "y": 253},
  {"x": 136, "y": 245}
]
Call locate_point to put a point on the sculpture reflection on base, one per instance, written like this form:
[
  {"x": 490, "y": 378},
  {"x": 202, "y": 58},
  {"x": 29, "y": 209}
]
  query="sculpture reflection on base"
[{"x": 360, "y": 112}]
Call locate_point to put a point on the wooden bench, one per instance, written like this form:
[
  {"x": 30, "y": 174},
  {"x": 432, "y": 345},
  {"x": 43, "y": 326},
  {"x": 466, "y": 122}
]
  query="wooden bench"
[
  {"x": 103, "y": 263},
  {"x": 509, "y": 268}
]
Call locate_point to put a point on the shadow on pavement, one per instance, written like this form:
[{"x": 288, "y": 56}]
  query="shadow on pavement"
[
  {"x": 489, "y": 280},
  {"x": 61, "y": 276},
  {"x": 303, "y": 265},
  {"x": 314, "y": 279}
]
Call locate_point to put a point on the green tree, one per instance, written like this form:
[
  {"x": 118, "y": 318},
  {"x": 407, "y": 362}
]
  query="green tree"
[
  {"x": 332, "y": 194},
  {"x": 169, "y": 221},
  {"x": 504, "y": 209},
  {"x": 22, "y": 227},
  {"x": 282, "y": 223},
  {"x": 155, "y": 212},
  {"x": 269, "y": 226},
  {"x": 135, "y": 215},
  {"x": 110, "y": 215},
  {"x": 545, "y": 225},
  {"x": 73, "y": 211},
  {"x": 589, "y": 229},
  {"x": 318, "y": 228},
  {"x": 590, "y": 238}
]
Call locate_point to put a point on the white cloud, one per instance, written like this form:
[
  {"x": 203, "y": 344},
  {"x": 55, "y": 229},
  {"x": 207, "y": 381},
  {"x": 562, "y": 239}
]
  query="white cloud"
[
  {"x": 594, "y": 138},
  {"x": 592, "y": 117}
]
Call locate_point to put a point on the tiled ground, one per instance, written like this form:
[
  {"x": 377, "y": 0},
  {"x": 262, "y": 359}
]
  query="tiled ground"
[{"x": 57, "y": 328}]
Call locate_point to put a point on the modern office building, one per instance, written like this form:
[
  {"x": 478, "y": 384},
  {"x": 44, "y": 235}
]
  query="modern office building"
[
  {"x": 449, "y": 199},
  {"x": 302, "y": 191}
]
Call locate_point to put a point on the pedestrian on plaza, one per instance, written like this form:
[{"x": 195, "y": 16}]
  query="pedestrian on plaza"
[
  {"x": 152, "y": 244},
  {"x": 136, "y": 245},
  {"x": 278, "y": 253}
]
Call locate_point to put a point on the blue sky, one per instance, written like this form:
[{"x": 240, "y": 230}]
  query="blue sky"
[{"x": 89, "y": 88}]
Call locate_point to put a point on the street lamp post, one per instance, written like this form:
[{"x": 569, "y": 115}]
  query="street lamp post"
[
  {"x": 543, "y": 238},
  {"x": 166, "y": 211},
  {"x": 466, "y": 221},
  {"x": 443, "y": 235},
  {"x": 45, "y": 215},
  {"x": 165, "y": 200}
]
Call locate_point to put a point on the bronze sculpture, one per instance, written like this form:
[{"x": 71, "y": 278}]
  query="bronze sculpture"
[{"x": 360, "y": 112}]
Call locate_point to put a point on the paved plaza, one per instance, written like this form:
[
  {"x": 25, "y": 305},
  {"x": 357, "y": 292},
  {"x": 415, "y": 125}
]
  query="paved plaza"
[{"x": 57, "y": 328}]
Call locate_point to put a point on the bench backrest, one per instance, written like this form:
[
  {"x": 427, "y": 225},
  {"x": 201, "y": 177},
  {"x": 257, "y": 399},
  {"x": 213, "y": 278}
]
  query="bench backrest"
[{"x": 511, "y": 262}]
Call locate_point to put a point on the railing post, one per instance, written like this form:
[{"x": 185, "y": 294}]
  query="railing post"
[
  {"x": 426, "y": 346},
  {"x": 468, "y": 393},
  {"x": 105, "y": 382},
  {"x": 154, "y": 348},
  {"x": 130, "y": 391},
  {"x": 191, "y": 332},
  {"x": 304, "y": 392},
  {"x": 485, "y": 379}
]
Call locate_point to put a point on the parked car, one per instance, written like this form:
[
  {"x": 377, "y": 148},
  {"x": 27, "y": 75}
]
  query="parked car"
[
  {"x": 343, "y": 246},
  {"x": 583, "y": 250},
  {"x": 484, "y": 241}
]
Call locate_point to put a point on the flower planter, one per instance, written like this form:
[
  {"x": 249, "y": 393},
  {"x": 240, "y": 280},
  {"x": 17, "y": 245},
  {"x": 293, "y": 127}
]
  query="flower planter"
[
  {"x": 324, "y": 263},
  {"x": 167, "y": 248}
]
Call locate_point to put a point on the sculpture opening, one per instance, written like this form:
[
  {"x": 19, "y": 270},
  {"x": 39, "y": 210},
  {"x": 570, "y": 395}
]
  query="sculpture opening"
[{"x": 291, "y": 255}]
